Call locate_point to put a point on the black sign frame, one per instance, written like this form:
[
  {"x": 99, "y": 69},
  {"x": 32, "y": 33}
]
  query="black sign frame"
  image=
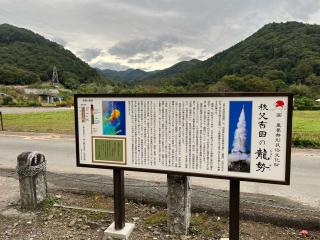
[{"x": 199, "y": 95}]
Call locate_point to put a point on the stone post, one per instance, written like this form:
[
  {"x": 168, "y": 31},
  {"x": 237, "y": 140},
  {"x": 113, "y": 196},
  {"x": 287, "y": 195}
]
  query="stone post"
[
  {"x": 31, "y": 169},
  {"x": 179, "y": 204}
]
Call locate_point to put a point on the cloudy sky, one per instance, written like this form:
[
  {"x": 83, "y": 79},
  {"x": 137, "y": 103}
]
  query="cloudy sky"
[{"x": 151, "y": 34}]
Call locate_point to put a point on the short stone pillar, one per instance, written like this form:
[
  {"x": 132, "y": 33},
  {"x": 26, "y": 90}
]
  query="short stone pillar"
[
  {"x": 31, "y": 169},
  {"x": 179, "y": 204}
]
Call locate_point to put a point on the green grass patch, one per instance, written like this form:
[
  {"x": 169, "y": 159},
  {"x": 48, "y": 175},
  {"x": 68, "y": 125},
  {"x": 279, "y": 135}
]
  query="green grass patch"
[
  {"x": 306, "y": 125},
  {"x": 306, "y": 129},
  {"x": 48, "y": 203},
  {"x": 208, "y": 226},
  {"x": 198, "y": 224},
  {"x": 46, "y": 122},
  {"x": 157, "y": 218}
]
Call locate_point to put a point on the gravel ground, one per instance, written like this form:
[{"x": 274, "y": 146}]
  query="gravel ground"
[
  {"x": 146, "y": 208},
  {"x": 58, "y": 223}
]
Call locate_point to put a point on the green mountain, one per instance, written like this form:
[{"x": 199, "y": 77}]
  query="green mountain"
[
  {"x": 137, "y": 76},
  {"x": 27, "y": 57},
  {"x": 128, "y": 76},
  {"x": 168, "y": 73},
  {"x": 276, "y": 56}
]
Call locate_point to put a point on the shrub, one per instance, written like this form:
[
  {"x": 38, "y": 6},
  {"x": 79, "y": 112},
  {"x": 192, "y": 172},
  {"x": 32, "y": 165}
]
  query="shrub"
[
  {"x": 304, "y": 108},
  {"x": 61, "y": 104},
  {"x": 33, "y": 103},
  {"x": 7, "y": 101}
]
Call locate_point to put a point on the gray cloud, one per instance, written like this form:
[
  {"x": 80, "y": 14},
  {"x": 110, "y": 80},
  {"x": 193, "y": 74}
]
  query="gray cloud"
[
  {"x": 147, "y": 57},
  {"x": 89, "y": 54},
  {"x": 184, "y": 58},
  {"x": 143, "y": 46},
  {"x": 133, "y": 29},
  {"x": 188, "y": 55},
  {"x": 302, "y": 9},
  {"x": 59, "y": 41},
  {"x": 110, "y": 65}
]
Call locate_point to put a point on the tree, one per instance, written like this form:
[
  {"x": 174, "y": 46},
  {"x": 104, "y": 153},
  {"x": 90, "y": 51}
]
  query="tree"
[
  {"x": 70, "y": 80},
  {"x": 302, "y": 71},
  {"x": 300, "y": 90},
  {"x": 303, "y": 102},
  {"x": 275, "y": 74}
]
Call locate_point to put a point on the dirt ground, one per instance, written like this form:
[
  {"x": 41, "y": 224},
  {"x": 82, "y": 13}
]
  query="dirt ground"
[{"x": 50, "y": 222}]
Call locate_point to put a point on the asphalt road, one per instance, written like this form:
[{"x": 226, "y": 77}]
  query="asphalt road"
[{"x": 60, "y": 154}]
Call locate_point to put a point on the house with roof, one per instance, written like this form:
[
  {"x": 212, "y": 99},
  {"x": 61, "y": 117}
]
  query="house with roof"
[{"x": 43, "y": 95}]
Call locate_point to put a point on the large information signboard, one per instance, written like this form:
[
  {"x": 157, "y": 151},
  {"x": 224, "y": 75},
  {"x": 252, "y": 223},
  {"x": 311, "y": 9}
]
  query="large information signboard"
[{"x": 243, "y": 136}]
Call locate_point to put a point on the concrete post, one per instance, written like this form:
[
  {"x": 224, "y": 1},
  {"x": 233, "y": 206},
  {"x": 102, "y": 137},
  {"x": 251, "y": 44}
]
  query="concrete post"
[
  {"x": 31, "y": 169},
  {"x": 179, "y": 204}
]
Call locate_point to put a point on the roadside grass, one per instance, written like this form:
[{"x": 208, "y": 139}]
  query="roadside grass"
[
  {"x": 306, "y": 129},
  {"x": 45, "y": 122},
  {"x": 306, "y": 125}
]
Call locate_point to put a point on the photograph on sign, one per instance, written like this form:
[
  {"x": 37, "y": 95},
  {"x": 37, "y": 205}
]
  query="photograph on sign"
[
  {"x": 244, "y": 137},
  {"x": 240, "y": 136}
]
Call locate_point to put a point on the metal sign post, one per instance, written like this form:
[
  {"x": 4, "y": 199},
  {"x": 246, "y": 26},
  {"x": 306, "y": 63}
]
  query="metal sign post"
[
  {"x": 1, "y": 121},
  {"x": 118, "y": 193},
  {"x": 119, "y": 229},
  {"x": 234, "y": 209}
]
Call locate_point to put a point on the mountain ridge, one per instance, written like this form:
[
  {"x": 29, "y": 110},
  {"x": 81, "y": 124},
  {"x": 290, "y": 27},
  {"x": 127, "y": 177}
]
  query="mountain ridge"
[
  {"x": 27, "y": 57},
  {"x": 273, "y": 58},
  {"x": 282, "y": 47},
  {"x": 277, "y": 57},
  {"x": 136, "y": 76}
]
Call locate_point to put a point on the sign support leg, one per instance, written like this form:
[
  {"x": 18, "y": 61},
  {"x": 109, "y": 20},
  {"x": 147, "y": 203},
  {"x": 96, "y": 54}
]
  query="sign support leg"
[
  {"x": 118, "y": 193},
  {"x": 234, "y": 209},
  {"x": 1, "y": 121},
  {"x": 119, "y": 229}
]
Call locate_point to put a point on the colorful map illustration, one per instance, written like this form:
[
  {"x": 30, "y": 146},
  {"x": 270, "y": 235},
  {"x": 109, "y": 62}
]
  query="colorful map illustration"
[{"x": 114, "y": 117}]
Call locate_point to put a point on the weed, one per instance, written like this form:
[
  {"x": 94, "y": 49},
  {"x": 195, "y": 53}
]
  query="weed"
[
  {"x": 157, "y": 218},
  {"x": 48, "y": 203}
]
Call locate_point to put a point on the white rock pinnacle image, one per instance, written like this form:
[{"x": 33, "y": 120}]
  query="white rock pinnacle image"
[{"x": 238, "y": 151}]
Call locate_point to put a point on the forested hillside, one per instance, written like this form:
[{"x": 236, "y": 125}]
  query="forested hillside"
[
  {"x": 129, "y": 76},
  {"x": 26, "y": 57},
  {"x": 136, "y": 76},
  {"x": 278, "y": 57}
]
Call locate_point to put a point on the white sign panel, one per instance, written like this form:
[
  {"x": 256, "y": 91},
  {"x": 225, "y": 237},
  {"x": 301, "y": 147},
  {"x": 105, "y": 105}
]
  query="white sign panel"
[{"x": 229, "y": 136}]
